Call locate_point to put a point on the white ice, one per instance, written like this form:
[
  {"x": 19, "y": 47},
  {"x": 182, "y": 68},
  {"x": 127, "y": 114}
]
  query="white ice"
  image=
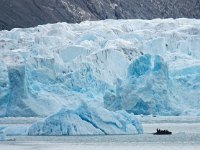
[{"x": 51, "y": 66}]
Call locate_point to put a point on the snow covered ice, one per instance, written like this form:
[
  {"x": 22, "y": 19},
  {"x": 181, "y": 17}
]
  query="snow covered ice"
[{"x": 143, "y": 67}]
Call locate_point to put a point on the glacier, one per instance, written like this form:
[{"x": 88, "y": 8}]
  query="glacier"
[
  {"x": 139, "y": 66},
  {"x": 147, "y": 89}
]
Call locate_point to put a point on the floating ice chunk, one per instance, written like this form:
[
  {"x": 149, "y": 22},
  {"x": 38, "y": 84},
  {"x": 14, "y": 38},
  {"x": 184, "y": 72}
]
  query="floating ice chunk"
[
  {"x": 2, "y": 136},
  {"x": 16, "y": 130},
  {"x": 86, "y": 120}
]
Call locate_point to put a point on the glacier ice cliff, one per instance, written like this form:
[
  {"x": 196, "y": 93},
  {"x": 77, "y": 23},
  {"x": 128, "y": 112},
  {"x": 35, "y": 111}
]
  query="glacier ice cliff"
[
  {"x": 147, "y": 89},
  {"x": 141, "y": 66}
]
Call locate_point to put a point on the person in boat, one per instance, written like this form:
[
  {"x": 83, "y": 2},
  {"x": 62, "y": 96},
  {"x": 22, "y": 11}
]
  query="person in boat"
[{"x": 162, "y": 132}]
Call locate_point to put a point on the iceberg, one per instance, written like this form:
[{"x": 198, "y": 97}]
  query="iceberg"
[
  {"x": 2, "y": 136},
  {"x": 87, "y": 120}
]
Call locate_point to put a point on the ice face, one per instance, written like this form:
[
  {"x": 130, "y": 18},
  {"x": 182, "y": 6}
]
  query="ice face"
[
  {"x": 146, "y": 90},
  {"x": 87, "y": 120},
  {"x": 4, "y": 87},
  {"x": 141, "y": 66}
]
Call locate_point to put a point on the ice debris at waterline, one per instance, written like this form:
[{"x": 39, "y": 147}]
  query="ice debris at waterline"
[
  {"x": 87, "y": 120},
  {"x": 2, "y": 136},
  {"x": 141, "y": 66}
]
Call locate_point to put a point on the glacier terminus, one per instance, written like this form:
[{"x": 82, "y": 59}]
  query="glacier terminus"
[{"x": 92, "y": 77}]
